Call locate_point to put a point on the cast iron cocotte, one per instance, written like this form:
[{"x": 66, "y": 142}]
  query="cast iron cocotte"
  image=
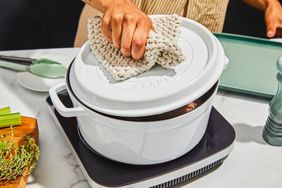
[{"x": 144, "y": 120}]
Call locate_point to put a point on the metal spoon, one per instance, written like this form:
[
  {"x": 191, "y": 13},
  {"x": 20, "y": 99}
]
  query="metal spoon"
[{"x": 41, "y": 67}]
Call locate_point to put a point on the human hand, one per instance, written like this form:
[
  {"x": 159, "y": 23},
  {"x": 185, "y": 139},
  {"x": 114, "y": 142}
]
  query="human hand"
[
  {"x": 126, "y": 27},
  {"x": 273, "y": 19}
]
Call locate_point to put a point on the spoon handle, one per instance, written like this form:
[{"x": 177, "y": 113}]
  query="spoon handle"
[{"x": 18, "y": 60}]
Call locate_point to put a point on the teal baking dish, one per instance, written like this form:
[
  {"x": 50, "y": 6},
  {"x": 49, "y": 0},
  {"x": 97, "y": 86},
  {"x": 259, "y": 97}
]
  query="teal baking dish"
[{"x": 251, "y": 68}]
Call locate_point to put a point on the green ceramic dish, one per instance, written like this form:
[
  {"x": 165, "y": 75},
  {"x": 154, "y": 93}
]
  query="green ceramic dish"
[{"x": 252, "y": 68}]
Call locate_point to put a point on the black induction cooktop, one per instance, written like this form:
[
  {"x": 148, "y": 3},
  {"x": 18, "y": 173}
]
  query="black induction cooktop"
[{"x": 104, "y": 172}]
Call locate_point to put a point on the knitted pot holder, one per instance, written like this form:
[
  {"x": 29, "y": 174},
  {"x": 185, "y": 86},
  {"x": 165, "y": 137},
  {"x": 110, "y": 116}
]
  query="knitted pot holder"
[{"x": 161, "y": 48}]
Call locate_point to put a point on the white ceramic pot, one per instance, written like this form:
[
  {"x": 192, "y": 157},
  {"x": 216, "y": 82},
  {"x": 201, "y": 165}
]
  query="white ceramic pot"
[
  {"x": 113, "y": 116},
  {"x": 137, "y": 142}
]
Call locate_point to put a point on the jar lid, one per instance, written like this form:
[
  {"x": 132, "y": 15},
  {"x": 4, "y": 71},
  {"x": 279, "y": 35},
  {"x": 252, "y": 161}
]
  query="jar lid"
[{"x": 157, "y": 91}]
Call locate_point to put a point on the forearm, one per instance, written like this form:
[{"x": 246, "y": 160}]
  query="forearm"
[
  {"x": 103, "y": 5},
  {"x": 259, "y": 4}
]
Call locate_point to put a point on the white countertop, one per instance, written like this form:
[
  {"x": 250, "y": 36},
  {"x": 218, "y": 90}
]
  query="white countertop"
[{"x": 251, "y": 164}]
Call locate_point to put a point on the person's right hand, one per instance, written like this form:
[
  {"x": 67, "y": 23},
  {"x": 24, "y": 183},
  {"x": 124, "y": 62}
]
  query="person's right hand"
[{"x": 126, "y": 27}]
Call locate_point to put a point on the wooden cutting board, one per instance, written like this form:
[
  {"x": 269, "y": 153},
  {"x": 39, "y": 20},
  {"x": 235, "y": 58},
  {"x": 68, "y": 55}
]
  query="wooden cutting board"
[{"x": 29, "y": 126}]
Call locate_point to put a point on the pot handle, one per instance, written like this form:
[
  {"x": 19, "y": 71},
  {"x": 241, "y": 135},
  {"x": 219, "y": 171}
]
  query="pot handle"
[{"x": 60, "y": 107}]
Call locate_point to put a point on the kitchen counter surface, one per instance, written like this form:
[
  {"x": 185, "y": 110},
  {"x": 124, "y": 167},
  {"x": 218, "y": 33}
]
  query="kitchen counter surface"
[{"x": 251, "y": 164}]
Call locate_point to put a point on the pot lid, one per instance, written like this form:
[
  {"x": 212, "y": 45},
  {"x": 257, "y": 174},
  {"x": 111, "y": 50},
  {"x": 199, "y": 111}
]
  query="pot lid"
[{"x": 157, "y": 91}]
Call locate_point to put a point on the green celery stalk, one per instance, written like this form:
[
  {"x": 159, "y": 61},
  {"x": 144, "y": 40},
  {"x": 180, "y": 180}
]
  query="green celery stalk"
[
  {"x": 11, "y": 119},
  {"x": 5, "y": 110}
]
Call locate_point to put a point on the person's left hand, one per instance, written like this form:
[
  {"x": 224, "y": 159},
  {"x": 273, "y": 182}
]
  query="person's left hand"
[{"x": 273, "y": 19}]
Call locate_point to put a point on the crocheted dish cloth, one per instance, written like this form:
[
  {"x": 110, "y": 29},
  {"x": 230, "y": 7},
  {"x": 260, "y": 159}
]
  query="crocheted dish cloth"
[{"x": 161, "y": 48}]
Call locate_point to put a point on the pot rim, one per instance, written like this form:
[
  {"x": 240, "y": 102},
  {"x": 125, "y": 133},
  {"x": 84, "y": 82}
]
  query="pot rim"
[{"x": 151, "y": 118}]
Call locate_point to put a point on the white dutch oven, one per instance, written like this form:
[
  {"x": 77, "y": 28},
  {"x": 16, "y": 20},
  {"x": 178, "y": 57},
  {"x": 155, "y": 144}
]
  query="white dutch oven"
[{"x": 121, "y": 121}]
